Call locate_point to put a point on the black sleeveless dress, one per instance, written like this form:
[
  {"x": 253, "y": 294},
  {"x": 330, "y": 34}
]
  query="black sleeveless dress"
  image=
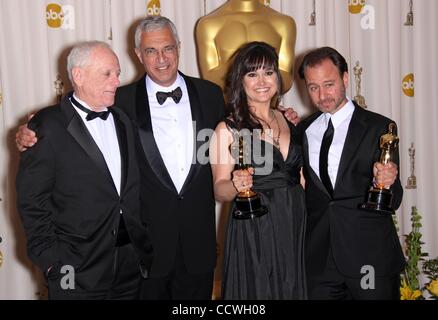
[{"x": 263, "y": 257}]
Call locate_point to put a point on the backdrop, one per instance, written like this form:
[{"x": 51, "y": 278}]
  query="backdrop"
[{"x": 393, "y": 41}]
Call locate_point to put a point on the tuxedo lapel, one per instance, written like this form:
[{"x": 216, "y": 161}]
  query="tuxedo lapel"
[
  {"x": 356, "y": 131},
  {"x": 197, "y": 118},
  {"x": 147, "y": 140},
  {"x": 123, "y": 147},
  {"x": 79, "y": 132}
]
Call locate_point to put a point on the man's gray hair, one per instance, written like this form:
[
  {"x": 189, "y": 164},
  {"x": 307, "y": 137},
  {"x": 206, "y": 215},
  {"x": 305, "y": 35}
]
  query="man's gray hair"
[
  {"x": 79, "y": 56},
  {"x": 152, "y": 23}
]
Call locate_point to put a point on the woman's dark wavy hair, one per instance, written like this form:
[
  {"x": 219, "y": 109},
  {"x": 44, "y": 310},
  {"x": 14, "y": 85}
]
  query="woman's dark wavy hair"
[{"x": 249, "y": 58}]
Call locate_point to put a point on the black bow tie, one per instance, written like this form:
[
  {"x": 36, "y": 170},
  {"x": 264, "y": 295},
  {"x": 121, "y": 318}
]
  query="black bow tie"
[
  {"x": 90, "y": 114},
  {"x": 175, "y": 95}
]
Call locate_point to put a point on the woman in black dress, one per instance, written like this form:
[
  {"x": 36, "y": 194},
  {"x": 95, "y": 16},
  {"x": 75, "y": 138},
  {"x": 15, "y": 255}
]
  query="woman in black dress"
[{"x": 263, "y": 256}]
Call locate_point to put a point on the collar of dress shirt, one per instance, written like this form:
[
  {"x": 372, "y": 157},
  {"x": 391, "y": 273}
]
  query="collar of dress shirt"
[
  {"x": 83, "y": 103},
  {"x": 339, "y": 116}
]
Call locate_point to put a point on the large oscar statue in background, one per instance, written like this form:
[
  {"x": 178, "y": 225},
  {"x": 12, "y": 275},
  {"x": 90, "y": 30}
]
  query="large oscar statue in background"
[{"x": 220, "y": 33}]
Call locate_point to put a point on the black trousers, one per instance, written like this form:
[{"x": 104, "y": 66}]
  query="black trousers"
[
  {"x": 125, "y": 285},
  {"x": 332, "y": 285},
  {"x": 179, "y": 284}
]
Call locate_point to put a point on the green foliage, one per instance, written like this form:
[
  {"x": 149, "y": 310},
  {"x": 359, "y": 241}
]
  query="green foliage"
[
  {"x": 410, "y": 285},
  {"x": 414, "y": 253},
  {"x": 430, "y": 268}
]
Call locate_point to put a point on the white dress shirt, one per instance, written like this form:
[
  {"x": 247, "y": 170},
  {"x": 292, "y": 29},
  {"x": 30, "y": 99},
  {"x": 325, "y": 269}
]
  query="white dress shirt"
[
  {"x": 105, "y": 135},
  {"x": 173, "y": 129},
  {"x": 315, "y": 132}
]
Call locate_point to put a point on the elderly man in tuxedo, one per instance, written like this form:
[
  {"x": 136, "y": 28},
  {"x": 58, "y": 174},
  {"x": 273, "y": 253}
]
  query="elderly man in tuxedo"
[
  {"x": 169, "y": 109},
  {"x": 78, "y": 188}
]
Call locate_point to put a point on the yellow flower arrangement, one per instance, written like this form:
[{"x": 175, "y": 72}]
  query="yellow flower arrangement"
[
  {"x": 406, "y": 293},
  {"x": 430, "y": 269},
  {"x": 433, "y": 287},
  {"x": 410, "y": 285}
]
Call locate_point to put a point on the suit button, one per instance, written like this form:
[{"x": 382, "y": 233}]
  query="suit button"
[
  {"x": 114, "y": 232},
  {"x": 181, "y": 198}
]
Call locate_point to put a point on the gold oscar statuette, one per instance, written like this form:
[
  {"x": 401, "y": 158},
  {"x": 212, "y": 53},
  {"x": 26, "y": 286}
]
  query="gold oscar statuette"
[
  {"x": 59, "y": 88},
  {"x": 410, "y": 15},
  {"x": 357, "y": 71},
  {"x": 1, "y": 254},
  {"x": 313, "y": 16},
  {"x": 379, "y": 198},
  {"x": 412, "y": 180},
  {"x": 236, "y": 22},
  {"x": 248, "y": 204}
]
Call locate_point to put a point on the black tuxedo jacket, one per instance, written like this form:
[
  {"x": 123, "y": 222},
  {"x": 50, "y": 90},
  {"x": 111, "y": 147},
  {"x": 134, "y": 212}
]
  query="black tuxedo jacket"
[
  {"x": 68, "y": 201},
  {"x": 186, "y": 218},
  {"x": 357, "y": 238}
]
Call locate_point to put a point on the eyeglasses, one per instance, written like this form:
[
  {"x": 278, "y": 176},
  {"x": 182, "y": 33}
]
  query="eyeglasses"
[{"x": 166, "y": 51}]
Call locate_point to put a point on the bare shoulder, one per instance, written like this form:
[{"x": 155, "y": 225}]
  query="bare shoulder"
[{"x": 223, "y": 129}]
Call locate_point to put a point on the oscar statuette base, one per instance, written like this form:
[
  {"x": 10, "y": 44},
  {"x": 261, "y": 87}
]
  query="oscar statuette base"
[
  {"x": 249, "y": 207},
  {"x": 379, "y": 201}
]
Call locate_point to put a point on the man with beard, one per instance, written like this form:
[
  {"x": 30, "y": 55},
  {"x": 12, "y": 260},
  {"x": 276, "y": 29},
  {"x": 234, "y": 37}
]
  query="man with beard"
[{"x": 341, "y": 149}]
